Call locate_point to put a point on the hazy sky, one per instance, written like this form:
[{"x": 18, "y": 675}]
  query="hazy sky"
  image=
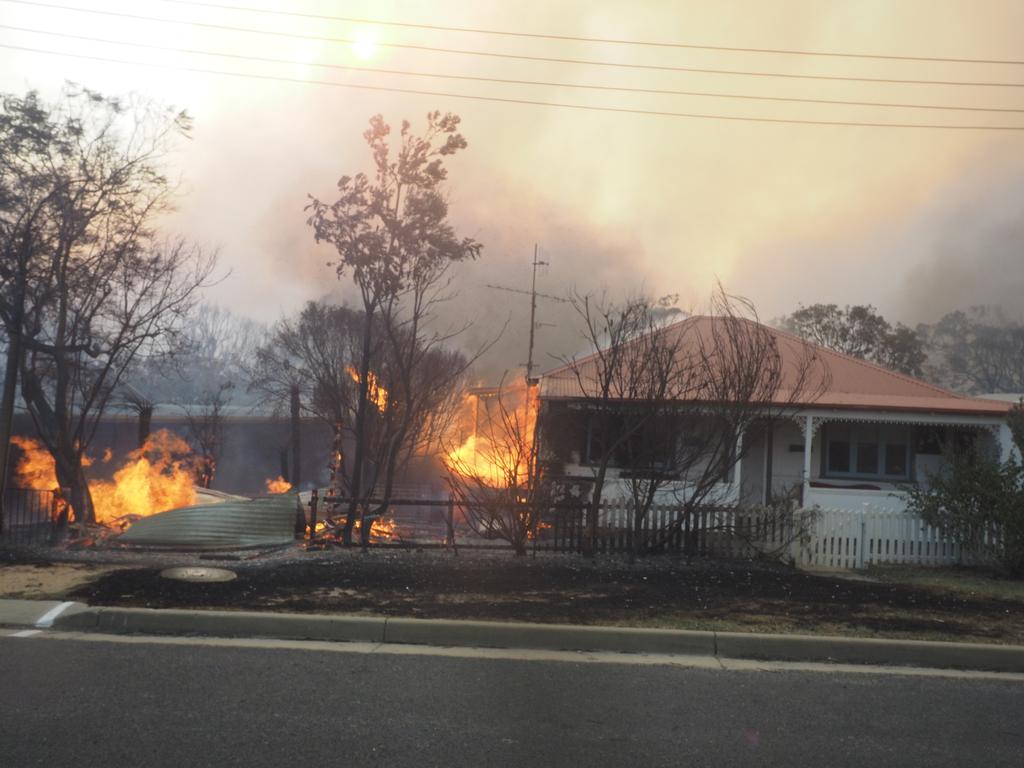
[{"x": 916, "y": 221}]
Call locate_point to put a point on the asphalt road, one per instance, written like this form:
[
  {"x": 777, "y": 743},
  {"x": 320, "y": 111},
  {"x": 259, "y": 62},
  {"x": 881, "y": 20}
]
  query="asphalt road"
[{"x": 89, "y": 703}]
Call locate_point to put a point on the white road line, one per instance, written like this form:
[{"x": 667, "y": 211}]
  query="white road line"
[
  {"x": 26, "y": 633},
  {"x": 711, "y": 663},
  {"x": 47, "y": 619}
]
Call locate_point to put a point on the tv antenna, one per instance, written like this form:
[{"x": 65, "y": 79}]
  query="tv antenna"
[{"x": 532, "y": 293}]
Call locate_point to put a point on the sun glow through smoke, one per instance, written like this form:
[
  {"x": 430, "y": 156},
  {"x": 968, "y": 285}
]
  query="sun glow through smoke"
[{"x": 365, "y": 44}]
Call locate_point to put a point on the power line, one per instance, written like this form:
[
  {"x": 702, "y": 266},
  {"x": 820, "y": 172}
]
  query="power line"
[
  {"x": 506, "y": 100},
  {"x": 581, "y": 39},
  {"x": 509, "y": 81},
  {"x": 521, "y": 57}
]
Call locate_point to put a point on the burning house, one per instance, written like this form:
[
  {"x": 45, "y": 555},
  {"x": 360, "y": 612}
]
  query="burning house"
[{"x": 255, "y": 445}]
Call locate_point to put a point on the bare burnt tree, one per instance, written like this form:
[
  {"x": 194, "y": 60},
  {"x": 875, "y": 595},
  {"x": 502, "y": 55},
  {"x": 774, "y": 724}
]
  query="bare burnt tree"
[
  {"x": 217, "y": 346},
  {"x": 497, "y": 477},
  {"x": 667, "y": 405},
  {"x": 743, "y": 375},
  {"x": 626, "y": 385},
  {"x": 392, "y": 236},
  {"x": 308, "y": 361},
  {"x": 205, "y": 420},
  {"x": 100, "y": 290},
  {"x": 29, "y": 136},
  {"x": 413, "y": 397},
  {"x": 143, "y": 408},
  {"x": 218, "y": 336},
  {"x": 425, "y": 383}
]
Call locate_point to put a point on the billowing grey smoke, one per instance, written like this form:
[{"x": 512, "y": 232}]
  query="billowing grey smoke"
[{"x": 973, "y": 244}]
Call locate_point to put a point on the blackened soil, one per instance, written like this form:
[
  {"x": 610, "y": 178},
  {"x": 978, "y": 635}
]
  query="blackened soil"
[{"x": 565, "y": 588}]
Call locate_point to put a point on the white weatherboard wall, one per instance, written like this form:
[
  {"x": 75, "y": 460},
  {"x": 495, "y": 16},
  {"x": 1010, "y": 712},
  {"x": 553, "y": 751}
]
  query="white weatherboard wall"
[
  {"x": 855, "y": 499},
  {"x": 787, "y": 465}
]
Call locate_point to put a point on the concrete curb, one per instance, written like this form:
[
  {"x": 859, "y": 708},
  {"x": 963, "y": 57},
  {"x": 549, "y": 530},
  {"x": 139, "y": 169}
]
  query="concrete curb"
[
  {"x": 288, "y": 626},
  {"x": 551, "y": 637},
  {"x": 867, "y": 650},
  {"x": 555, "y": 637}
]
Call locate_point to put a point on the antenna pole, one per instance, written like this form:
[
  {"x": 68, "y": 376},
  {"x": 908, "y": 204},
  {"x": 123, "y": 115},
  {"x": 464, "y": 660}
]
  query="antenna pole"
[{"x": 533, "y": 319}]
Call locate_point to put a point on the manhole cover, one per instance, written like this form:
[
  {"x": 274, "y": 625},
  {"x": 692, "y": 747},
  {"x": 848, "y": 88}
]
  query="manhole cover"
[{"x": 198, "y": 573}]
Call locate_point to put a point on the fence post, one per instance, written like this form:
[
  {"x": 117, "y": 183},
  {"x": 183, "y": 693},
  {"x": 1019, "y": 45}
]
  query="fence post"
[
  {"x": 313, "y": 498},
  {"x": 861, "y": 538},
  {"x": 450, "y": 523},
  {"x": 796, "y": 532}
]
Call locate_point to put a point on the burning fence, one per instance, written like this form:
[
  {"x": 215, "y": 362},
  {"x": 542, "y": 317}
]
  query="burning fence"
[{"x": 382, "y": 531}]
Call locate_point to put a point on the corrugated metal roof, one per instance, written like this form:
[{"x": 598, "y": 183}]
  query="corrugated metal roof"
[
  {"x": 230, "y": 524},
  {"x": 852, "y": 383}
]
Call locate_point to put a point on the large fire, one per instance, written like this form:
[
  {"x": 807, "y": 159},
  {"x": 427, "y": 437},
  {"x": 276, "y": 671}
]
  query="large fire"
[
  {"x": 498, "y": 450},
  {"x": 158, "y": 476},
  {"x": 36, "y": 468},
  {"x": 376, "y": 393},
  {"x": 278, "y": 485}
]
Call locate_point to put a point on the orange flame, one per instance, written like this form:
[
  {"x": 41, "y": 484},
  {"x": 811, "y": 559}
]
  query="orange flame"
[
  {"x": 380, "y": 529},
  {"x": 36, "y": 467},
  {"x": 376, "y": 393},
  {"x": 497, "y": 450},
  {"x": 278, "y": 485},
  {"x": 541, "y": 526},
  {"x": 158, "y": 476}
]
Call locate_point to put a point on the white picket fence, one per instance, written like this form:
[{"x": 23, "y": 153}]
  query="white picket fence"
[
  {"x": 836, "y": 538},
  {"x": 844, "y": 538}
]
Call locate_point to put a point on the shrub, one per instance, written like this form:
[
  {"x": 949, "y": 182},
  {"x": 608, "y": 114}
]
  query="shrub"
[{"x": 978, "y": 502}]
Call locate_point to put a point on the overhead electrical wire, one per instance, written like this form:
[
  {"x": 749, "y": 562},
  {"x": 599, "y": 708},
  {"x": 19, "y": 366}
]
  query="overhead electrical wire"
[
  {"x": 531, "y": 102},
  {"x": 519, "y": 57},
  {"x": 508, "y": 81},
  {"x": 582, "y": 39}
]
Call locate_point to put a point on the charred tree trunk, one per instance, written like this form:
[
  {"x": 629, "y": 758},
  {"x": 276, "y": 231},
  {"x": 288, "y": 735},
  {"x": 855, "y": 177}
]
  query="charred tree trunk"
[
  {"x": 14, "y": 351},
  {"x": 55, "y": 434},
  {"x": 283, "y": 458},
  {"x": 594, "y": 510},
  {"x": 296, "y": 436},
  {"x": 71, "y": 476},
  {"x": 145, "y": 421},
  {"x": 360, "y": 431},
  {"x": 59, "y": 515},
  {"x": 7, "y": 414}
]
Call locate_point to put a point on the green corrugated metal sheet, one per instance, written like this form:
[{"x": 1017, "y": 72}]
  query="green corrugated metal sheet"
[{"x": 227, "y": 525}]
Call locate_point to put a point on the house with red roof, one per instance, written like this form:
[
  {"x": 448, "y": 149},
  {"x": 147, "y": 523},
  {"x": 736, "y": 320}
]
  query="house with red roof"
[{"x": 857, "y": 434}]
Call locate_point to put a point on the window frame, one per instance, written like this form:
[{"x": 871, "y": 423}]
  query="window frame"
[{"x": 880, "y": 436}]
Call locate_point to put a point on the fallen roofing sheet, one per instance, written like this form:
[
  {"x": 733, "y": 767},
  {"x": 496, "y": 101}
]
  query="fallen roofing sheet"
[{"x": 231, "y": 524}]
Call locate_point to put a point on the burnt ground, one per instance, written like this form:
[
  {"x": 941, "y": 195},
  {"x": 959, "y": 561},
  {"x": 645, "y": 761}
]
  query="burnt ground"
[{"x": 655, "y": 592}]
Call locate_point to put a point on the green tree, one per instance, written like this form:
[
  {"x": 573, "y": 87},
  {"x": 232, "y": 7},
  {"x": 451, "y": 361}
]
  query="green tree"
[{"x": 859, "y": 331}]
